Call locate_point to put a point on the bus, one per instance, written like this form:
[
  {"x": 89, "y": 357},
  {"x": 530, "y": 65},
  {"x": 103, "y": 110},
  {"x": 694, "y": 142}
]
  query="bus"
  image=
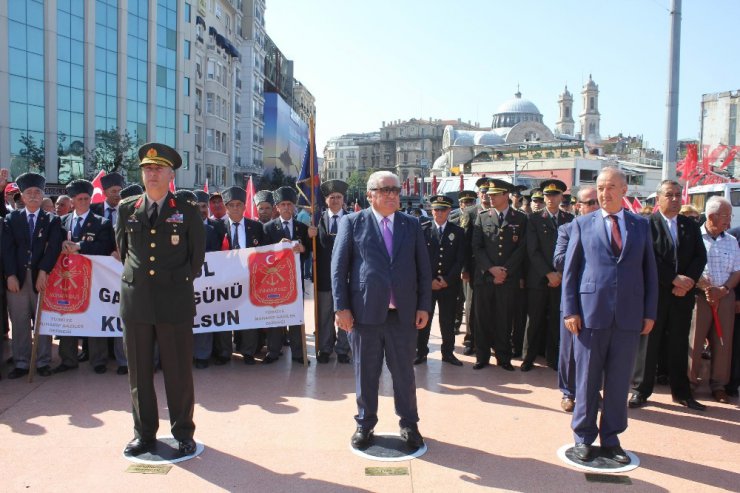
[{"x": 699, "y": 195}]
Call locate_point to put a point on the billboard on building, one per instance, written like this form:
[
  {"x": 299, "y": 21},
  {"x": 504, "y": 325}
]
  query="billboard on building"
[{"x": 286, "y": 136}]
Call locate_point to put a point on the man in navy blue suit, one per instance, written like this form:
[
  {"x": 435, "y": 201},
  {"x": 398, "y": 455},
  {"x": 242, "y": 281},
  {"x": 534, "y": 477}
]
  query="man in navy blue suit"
[
  {"x": 382, "y": 288},
  {"x": 610, "y": 297}
]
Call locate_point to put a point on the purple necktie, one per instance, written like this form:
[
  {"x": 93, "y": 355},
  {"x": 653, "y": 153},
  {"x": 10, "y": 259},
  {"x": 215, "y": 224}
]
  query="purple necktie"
[{"x": 388, "y": 239}]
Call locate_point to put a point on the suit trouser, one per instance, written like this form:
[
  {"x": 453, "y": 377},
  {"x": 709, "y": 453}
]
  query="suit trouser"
[
  {"x": 702, "y": 327},
  {"x": 447, "y": 300},
  {"x": 603, "y": 356},
  {"x": 370, "y": 344},
  {"x": 22, "y": 309},
  {"x": 222, "y": 344},
  {"x": 275, "y": 341},
  {"x": 519, "y": 322},
  {"x": 544, "y": 311},
  {"x": 97, "y": 349},
  {"x": 176, "y": 354},
  {"x": 671, "y": 330},
  {"x": 735, "y": 366},
  {"x": 566, "y": 362},
  {"x": 330, "y": 338},
  {"x": 459, "y": 306},
  {"x": 469, "y": 339},
  {"x": 493, "y": 307}
]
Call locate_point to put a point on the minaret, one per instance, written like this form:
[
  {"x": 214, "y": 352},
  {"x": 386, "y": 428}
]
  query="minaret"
[
  {"x": 590, "y": 117},
  {"x": 565, "y": 125}
]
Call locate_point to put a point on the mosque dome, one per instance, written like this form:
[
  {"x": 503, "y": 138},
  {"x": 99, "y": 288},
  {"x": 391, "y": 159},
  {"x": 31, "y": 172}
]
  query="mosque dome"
[{"x": 516, "y": 110}]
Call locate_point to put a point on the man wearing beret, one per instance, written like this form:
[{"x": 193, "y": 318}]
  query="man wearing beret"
[
  {"x": 446, "y": 247},
  {"x": 88, "y": 234},
  {"x": 329, "y": 339},
  {"x": 161, "y": 241},
  {"x": 543, "y": 279},
  {"x": 287, "y": 228},
  {"x": 32, "y": 241},
  {"x": 499, "y": 247},
  {"x": 242, "y": 233}
]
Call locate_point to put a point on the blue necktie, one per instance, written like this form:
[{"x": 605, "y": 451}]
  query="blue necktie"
[
  {"x": 333, "y": 229},
  {"x": 286, "y": 230},
  {"x": 77, "y": 230},
  {"x": 30, "y": 226},
  {"x": 235, "y": 242}
]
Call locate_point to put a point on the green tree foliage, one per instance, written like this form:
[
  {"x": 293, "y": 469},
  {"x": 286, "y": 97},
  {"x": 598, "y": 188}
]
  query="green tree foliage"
[
  {"x": 114, "y": 150},
  {"x": 33, "y": 154}
]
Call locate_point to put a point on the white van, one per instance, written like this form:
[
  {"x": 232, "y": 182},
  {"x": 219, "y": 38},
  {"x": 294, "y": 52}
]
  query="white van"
[{"x": 698, "y": 197}]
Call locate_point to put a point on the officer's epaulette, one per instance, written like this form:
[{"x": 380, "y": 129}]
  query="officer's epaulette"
[
  {"x": 128, "y": 200},
  {"x": 183, "y": 200}
]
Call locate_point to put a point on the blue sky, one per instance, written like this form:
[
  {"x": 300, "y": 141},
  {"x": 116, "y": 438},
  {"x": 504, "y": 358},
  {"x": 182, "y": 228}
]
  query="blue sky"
[{"x": 372, "y": 61}]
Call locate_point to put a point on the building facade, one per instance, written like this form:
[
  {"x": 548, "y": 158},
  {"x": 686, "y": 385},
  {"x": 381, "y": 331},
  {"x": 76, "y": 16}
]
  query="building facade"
[
  {"x": 341, "y": 157},
  {"x": 303, "y": 102}
]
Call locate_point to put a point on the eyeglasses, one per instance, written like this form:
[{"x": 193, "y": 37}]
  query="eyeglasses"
[
  {"x": 387, "y": 190},
  {"x": 671, "y": 196},
  {"x": 588, "y": 202}
]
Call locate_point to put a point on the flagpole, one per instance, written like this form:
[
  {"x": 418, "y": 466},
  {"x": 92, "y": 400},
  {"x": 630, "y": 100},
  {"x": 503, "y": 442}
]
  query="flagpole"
[{"x": 311, "y": 158}]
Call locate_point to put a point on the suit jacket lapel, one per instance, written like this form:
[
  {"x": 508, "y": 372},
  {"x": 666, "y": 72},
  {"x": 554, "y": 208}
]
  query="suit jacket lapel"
[
  {"x": 374, "y": 229},
  {"x": 598, "y": 222},
  {"x": 400, "y": 226},
  {"x": 629, "y": 238}
]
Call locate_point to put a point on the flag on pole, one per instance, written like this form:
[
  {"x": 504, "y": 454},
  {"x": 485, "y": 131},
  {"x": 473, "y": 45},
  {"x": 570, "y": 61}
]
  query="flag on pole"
[
  {"x": 357, "y": 207},
  {"x": 462, "y": 183},
  {"x": 250, "y": 210},
  {"x": 98, "y": 197},
  {"x": 416, "y": 186},
  {"x": 627, "y": 205},
  {"x": 434, "y": 185},
  {"x": 172, "y": 185},
  {"x": 205, "y": 186},
  {"x": 309, "y": 191},
  {"x": 636, "y": 205}
]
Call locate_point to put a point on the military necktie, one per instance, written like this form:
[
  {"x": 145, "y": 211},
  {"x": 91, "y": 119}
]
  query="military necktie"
[
  {"x": 501, "y": 218},
  {"x": 235, "y": 239},
  {"x": 77, "y": 230},
  {"x": 155, "y": 214}
]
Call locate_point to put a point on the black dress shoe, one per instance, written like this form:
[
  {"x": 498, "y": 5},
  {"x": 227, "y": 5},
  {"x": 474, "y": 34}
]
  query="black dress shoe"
[
  {"x": 480, "y": 365},
  {"x": 451, "y": 359},
  {"x": 636, "y": 401},
  {"x": 138, "y": 446},
  {"x": 186, "y": 447},
  {"x": 299, "y": 359},
  {"x": 420, "y": 359},
  {"x": 343, "y": 358},
  {"x": 100, "y": 369},
  {"x": 83, "y": 356},
  {"x": 268, "y": 359},
  {"x": 583, "y": 452},
  {"x": 616, "y": 453},
  {"x": 221, "y": 360},
  {"x": 44, "y": 371},
  {"x": 122, "y": 370},
  {"x": 526, "y": 366},
  {"x": 662, "y": 380},
  {"x": 469, "y": 351},
  {"x": 17, "y": 373},
  {"x": 201, "y": 364},
  {"x": 322, "y": 357},
  {"x": 362, "y": 437},
  {"x": 506, "y": 365},
  {"x": 691, "y": 403},
  {"x": 412, "y": 437},
  {"x": 731, "y": 391},
  {"x": 62, "y": 368},
  {"x": 249, "y": 359}
]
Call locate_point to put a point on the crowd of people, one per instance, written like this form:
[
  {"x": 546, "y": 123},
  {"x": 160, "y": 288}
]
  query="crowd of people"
[{"x": 495, "y": 258}]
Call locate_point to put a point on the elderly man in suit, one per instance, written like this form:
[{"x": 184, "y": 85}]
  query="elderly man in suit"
[
  {"x": 87, "y": 234},
  {"x": 329, "y": 339},
  {"x": 112, "y": 185},
  {"x": 32, "y": 241},
  {"x": 382, "y": 288},
  {"x": 610, "y": 297},
  {"x": 680, "y": 256}
]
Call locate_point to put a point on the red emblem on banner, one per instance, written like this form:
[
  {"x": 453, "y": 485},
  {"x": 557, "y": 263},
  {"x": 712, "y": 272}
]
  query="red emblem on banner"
[
  {"x": 68, "y": 286},
  {"x": 272, "y": 278}
]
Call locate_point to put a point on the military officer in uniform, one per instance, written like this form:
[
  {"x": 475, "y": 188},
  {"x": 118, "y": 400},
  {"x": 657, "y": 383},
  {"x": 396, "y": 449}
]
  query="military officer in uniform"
[
  {"x": 287, "y": 228},
  {"x": 543, "y": 279},
  {"x": 329, "y": 338},
  {"x": 88, "y": 234},
  {"x": 537, "y": 200},
  {"x": 465, "y": 199},
  {"x": 161, "y": 241},
  {"x": 499, "y": 248},
  {"x": 32, "y": 241},
  {"x": 446, "y": 246}
]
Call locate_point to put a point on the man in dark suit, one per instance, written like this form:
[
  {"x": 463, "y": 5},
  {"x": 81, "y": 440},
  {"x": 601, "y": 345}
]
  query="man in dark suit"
[
  {"x": 32, "y": 241},
  {"x": 112, "y": 185},
  {"x": 465, "y": 198},
  {"x": 587, "y": 203},
  {"x": 610, "y": 297},
  {"x": 543, "y": 279},
  {"x": 499, "y": 248},
  {"x": 382, "y": 295},
  {"x": 287, "y": 228},
  {"x": 732, "y": 388},
  {"x": 161, "y": 241},
  {"x": 265, "y": 204},
  {"x": 446, "y": 248},
  {"x": 329, "y": 339},
  {"x": 242, "y": 233},
  {"x": 680, "y": 256},
  {"x": 87, "y": 234}
]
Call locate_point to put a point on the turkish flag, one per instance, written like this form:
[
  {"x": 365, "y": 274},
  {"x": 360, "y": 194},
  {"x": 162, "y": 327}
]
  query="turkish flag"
[
  {"x": 172, "y": 185},
  {"x": 98, "y": 197},
  {"x": 250, "y": 210},
  {"x": 357, "y": 207},
  {"x": 434, "y": 184},
  {"x": 626, "y": 204},
  {"x": 205, "y": 186},
  {"x": 636, "y": 205}
]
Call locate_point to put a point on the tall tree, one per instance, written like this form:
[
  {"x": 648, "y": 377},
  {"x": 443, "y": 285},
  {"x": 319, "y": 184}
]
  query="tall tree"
[
  {"x": 115, "y": 150},
  {"x": 33, "y": 153}
]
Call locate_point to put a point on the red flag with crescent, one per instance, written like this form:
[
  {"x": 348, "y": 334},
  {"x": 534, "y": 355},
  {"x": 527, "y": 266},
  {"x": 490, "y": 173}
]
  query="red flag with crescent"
[
  {"x": 68, "y": 286},
  {"x": 272, "y": 278}
]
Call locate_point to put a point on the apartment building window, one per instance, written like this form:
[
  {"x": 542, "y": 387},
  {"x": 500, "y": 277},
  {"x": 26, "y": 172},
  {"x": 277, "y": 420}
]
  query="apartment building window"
[
  {"x": 198, "y": 139},
  {"x": 210, "y": 139},
  {"x": 186, "y": 12},
  {"x": 211, "y": 69},
  {"x": 199, "y": 65},
  {"x": 186, "y": 159},
  {"x": 186, "y": 123},
  {"x": 186, "y": 49},
  {"x": 186, "y": 86},
  {"x": 218, "y": 140},
  {"x": 198, "y": 100},
  {"x": 209, "y": 103}
]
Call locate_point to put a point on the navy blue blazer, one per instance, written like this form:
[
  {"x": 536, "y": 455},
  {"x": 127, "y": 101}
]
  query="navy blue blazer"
[
  {"x": 363, "y": 274},
  {"x": 44, "y": 249},
  {"x": 97, "y": 236},
  {"x": 606, "y": 290},
  {"x": 253, "y": 232},
  {"x": 561, "y": 247}
]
